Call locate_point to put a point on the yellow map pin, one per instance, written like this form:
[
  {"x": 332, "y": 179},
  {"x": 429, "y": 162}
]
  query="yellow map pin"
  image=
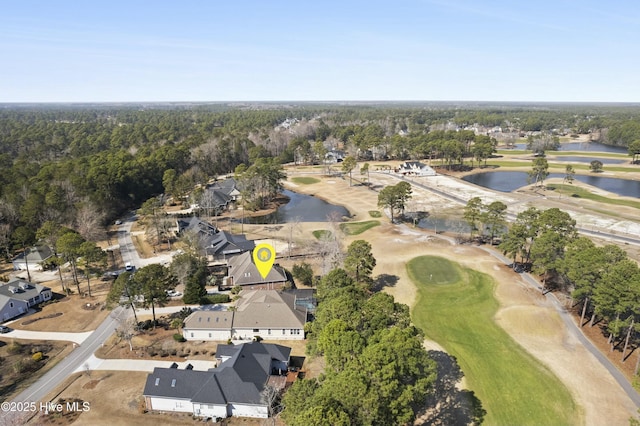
[{"x": 263, "y": 256}]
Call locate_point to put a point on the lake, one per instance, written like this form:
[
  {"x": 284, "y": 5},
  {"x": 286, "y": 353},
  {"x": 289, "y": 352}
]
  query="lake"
[
  {"x": 510, "y": 181},
  {"x": 574, "y": 159},
  {"x": 301, "y": 208},
  {"x": 583, "y": 146}
]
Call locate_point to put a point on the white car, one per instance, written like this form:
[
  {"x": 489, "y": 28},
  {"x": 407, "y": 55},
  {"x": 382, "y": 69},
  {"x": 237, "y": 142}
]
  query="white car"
[
  {"x": 118, "y": 222},
  {"x": 173, "y": 293}
]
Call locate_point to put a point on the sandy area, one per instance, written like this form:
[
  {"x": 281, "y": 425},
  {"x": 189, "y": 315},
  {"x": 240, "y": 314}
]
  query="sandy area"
[{"x": 524, "y": 313}]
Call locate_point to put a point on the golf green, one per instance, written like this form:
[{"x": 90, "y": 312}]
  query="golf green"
[{"x": 455, "y": 308}]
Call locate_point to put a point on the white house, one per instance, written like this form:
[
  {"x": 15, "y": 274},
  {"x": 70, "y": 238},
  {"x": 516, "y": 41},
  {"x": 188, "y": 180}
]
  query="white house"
[
  {"x": 415, "y": 168},
  {"x": 208, "y": 325},
  {"x": 34, "y": 259},
  {"x": 269, "y": 314},
  {"x": 231, "y": 389}
]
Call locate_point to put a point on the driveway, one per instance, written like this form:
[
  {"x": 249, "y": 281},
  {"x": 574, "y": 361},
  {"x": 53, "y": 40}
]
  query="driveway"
[
  {"x": 78, "y": 338},
  {"x": 145, "y": 365}
]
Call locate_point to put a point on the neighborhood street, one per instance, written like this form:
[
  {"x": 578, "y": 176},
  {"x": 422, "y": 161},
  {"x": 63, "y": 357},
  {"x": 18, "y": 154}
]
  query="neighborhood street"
[{"x": 74, "y": 360}]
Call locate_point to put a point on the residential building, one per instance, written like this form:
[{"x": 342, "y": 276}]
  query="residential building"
[
  {"x": 267, "y": 314},
  {"x": 415, "y": 168},
  {"x": 233, "y": 388},
  {"x": 18, "y": 295},
  {"x": 216, "y": 244},
  {"x": 244, "y": 273},
  {"x": 35, "y": 257}
]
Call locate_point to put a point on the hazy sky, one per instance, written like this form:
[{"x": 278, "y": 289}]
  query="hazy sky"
[{"x": 498, "y": 50}]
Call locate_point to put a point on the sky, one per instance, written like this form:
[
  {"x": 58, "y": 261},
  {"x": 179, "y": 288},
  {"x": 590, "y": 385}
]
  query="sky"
[{"x": 270, "y": 50}]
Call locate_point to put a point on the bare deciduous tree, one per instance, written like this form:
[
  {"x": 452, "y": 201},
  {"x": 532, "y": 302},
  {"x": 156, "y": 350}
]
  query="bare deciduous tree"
[
  {"x": 88, "y": 222},
  {"x": 126, "y": 330}
]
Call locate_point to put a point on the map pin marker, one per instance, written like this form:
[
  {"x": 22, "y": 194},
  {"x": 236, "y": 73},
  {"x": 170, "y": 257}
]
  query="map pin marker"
[{"x": 263, "y": 256}]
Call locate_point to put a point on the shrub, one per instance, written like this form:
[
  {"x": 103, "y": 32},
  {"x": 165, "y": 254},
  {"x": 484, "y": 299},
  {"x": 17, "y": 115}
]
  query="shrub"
[
  {"x": 179, "y": 338},
  {"x": 37, "y": 356},
  {"x": 235, "y": 290},
  {"x": 14, "y": 347},
  {"x": 212, "y": 299}
]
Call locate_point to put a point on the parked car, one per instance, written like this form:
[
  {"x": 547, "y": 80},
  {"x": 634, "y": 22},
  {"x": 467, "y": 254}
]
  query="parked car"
[
  {"x": 129, "y": 267},
  {"x": 4, "y": 329},
  {"x": 173, "y": 293}
]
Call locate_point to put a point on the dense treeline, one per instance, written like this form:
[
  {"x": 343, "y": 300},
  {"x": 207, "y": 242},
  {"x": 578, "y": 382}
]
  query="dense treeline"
[{"x": 63, "y": 163}]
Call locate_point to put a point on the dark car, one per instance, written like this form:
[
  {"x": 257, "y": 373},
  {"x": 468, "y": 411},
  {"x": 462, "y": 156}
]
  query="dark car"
[{"x": 4, "y": 329}]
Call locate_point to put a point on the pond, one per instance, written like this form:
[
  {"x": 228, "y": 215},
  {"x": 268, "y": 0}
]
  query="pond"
[
  {"x": 510, "y": 181},
  {"x": 574, "y": 159},
  {"x": 583, "y": 146},
  {"x": 444, "y": 224},
  {"x": 301, "y": 208}
]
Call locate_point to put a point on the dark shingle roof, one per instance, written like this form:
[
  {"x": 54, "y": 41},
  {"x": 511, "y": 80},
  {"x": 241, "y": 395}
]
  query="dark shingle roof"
[{"x": 239, "y": 379}]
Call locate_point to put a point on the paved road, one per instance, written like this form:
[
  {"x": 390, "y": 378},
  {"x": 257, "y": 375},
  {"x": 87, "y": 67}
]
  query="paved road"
[{"x": 71, "y": 362}]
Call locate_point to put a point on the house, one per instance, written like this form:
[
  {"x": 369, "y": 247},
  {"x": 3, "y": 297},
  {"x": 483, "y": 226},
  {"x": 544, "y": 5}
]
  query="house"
[
  {"x": 208, "y": 325},
  {"x": 268, "y": 314},
  {"x": 217, "y": 245},
  {"x": 334, "y": 156},
  {"x": 35, "y": 257},
  {"x": 244, "y": 273},
  {"x": 220, "y": 195},
  {"x": 415, "y": 168},
  {"x": 233, "y": 388},
  {"x": 18, "y": 295}
]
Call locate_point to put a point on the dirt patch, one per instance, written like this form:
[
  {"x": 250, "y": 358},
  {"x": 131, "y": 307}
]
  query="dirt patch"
[
  {"x": 113, "y": 398},
  {"x": 66, "y": 314},
  {"x": 20, "y": 366}
]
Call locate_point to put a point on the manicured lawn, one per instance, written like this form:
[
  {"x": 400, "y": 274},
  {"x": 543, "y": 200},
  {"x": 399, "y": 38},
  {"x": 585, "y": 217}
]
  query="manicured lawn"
[
  {"x": 321, "y": 233},
  {"x": 455, "y": 308},
  {"x": 578, "y": 192},
  {"x": 357, "y": 228},
  {"x": 304, "y": 180},
  {"x": 375, "y": 213}
]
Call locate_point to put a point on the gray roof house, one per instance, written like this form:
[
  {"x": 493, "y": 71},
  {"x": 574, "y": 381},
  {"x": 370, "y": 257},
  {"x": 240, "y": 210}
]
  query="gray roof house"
[
  {"x": 243, "y": 272},
  {"x": 231, "y": 389},
  {"x": 35, "y": 257},
  {"x": 18, "y": 295},
  {"x": 220, "y": 194},
  {"x": 269, "y": 314},
  {"x": 217, "y": 244}
]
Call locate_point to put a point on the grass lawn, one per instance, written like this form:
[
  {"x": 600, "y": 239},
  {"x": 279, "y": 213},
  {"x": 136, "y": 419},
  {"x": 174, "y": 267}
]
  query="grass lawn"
[
  {"x": 578, "y": 192},
  {"x": 456, "y": 308},
  {"x": 375, "y": 213},
  {"x": 302, "y": 180},
  {"x": 321, "y": 233},
  {"x": 357, "y": 228}
]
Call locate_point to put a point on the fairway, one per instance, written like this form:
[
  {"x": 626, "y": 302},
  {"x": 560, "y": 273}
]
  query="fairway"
[{"x": 456, "y": 308}]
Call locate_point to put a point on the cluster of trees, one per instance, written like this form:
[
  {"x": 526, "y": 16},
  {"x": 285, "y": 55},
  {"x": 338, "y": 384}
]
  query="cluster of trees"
[
  {"x": 395, "y": 197},
  {"x": 485, "y": 219},
  {"x": 260, "y": 182},
  {"x": 146, "y": 288},
  {"x": 602, "y": 278},
  {"x": 377, "y": 371},
  {"x": 539, "y": 238}
]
